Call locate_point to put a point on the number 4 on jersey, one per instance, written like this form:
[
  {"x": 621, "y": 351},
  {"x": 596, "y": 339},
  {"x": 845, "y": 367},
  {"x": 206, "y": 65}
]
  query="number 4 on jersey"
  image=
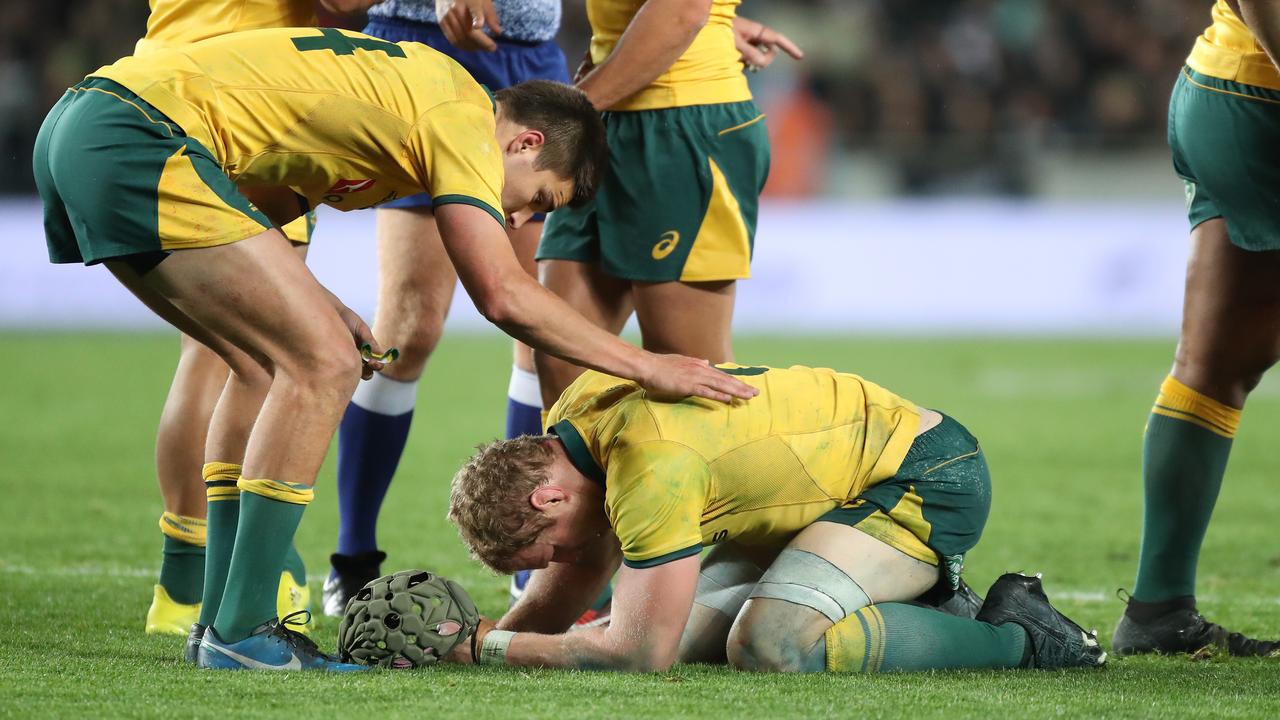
[{"x": 340, "y": 44}]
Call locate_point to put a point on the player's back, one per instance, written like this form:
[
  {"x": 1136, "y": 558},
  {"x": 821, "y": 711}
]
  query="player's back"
[
  {"x": 812, "y": 439},
  {"x": 178, "y": 22},
  {"x": 306, "y": 108}
]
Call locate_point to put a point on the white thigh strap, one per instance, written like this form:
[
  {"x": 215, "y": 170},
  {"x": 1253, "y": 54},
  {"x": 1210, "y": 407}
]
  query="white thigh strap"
[{"x": 803, "y": 578}]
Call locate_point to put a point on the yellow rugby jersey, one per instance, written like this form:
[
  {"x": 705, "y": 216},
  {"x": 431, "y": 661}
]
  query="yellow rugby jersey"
[
  {"x": 178, "y": 22},
  {"x": 682, "y": 475},
  {"x": 1228, "y": 50},
  {"x": 342, "y": 118},
  {"x": 709, "y": 71}
]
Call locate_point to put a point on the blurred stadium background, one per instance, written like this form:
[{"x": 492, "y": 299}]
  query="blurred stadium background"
[{"x": 1008, "y": 154}]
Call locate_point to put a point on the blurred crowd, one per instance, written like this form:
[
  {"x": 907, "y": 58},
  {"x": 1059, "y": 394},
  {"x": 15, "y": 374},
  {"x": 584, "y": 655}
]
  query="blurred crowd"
[{"x": 952, "y": 94}]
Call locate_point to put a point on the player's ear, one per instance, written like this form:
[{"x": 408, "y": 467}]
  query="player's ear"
[
  {"x": 546, "y": 497},
  {"x": 527, "y": 139}
]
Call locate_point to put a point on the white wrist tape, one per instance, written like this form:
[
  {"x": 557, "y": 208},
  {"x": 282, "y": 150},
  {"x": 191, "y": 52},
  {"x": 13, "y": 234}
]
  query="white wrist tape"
[{"x": 493, "y": 649}]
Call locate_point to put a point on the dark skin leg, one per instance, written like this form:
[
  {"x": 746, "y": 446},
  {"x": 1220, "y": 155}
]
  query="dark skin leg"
[{"x": 1230, "y": 318}]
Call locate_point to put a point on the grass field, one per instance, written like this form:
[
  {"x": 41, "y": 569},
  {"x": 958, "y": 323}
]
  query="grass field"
[{"x": 1060, "y": 420}]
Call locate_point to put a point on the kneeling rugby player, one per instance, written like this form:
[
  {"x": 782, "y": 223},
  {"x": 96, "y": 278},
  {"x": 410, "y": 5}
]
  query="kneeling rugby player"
[{"x": 829, "y": 502}]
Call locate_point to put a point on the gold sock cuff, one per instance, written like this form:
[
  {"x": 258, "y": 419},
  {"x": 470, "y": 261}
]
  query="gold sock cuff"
[
  {"x": 276, "y": 490},
  {"x": 220, "y": 471},
  {"x": 1180, "y": 402},
  {"x": 190, "y": 530}
]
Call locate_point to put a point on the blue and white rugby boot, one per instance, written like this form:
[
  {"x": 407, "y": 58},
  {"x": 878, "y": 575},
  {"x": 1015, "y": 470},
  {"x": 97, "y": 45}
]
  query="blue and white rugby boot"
[{"x": 271, "y": 646}]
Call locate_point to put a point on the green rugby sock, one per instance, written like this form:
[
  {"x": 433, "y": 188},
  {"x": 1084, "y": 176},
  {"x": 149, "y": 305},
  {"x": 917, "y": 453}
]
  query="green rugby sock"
[
  {"x": 182, "y": 571},
  {"x": 899, "y": 637},
  {"x": 269, "y": 515},
  {"x": 1184, "y": 457},
  {"x": 294, "y": 566},
  {"x": 224, "y": 514}
]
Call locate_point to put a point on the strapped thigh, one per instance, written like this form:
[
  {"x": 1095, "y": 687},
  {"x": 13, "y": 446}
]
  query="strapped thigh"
[{"x": 803, "y": 578}]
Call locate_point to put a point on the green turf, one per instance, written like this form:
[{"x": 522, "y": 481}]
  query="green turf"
[{"x": 1061, "y": 422}]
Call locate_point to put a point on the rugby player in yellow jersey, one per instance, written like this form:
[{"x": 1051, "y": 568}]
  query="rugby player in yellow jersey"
[
  {"x": 1224, "y": 131},
  {"x": 176, "y": 168},
  {"x": 201, "y": 375},
  {"x": 671, "y": 230},
  {"x": 828, "y": 503}
]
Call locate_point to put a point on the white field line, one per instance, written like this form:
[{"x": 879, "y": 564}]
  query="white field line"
[{"x": 1075, "y": 595}]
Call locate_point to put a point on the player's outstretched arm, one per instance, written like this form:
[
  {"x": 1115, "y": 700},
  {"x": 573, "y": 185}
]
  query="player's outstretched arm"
[
  {"x": 559, "y": 593},
  {"x": 657, "y": 36},
  {"x": 505, "y": 294},
  {"x": 650, "y": 609}
]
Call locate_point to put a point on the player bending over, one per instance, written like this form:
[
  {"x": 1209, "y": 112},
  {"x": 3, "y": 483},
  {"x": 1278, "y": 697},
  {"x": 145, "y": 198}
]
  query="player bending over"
[
  {"x": 829, "y": 503},
  {"x": 175, "y": 171}
]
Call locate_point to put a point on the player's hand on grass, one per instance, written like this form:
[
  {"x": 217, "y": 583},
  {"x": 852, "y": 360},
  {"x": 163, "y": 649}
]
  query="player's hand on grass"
[
  {"x": 758, "y": 43},
  {"x": 464, "y": 22},
  {"x": 462, "y": 652},
  {"x": 677, "y": 376}
]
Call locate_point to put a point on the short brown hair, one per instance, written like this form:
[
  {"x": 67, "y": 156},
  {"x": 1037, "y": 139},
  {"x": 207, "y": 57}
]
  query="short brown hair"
[
  {"x": 489, "y": 502},
  {"x": 575, "y": 147}
]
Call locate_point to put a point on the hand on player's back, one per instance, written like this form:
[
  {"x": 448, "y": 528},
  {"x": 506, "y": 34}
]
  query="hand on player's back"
[
  {"x": 464, "y": 23},
  {"x": 677, "y": 376}
]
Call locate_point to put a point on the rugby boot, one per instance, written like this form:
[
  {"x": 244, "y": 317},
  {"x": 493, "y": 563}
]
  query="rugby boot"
[
  {"x": 191, "y": 651},
  {"x": 293, "y": 598},
  {"x": 169, "y": 617},
  {"x": 271, "y": 646},
  {"x": 347, "y": 574},
  {"x": 1056, "y": 641},
  {"x": 962, "y": 602},
  {"x": 1184, "y": 630}
]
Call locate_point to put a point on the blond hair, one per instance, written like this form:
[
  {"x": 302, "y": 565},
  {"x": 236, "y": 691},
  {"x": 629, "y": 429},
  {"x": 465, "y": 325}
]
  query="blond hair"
[{"x": 489, "y": 501}]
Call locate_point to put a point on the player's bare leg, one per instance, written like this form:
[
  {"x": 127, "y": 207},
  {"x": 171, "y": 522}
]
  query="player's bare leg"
[
  {"x": 524, "y": 395},
  {"x": 180, "y": 437},
  {"x": 602, "y": 299},
  {"x": 1230, "y": 337},
  {"x": 728, "y": 574},
  {"x": 693, "y": 319},
  {"x": 416, "y": 283},
  {"x": 184, "y": 424},
  {"x": 259, "y": 296}
]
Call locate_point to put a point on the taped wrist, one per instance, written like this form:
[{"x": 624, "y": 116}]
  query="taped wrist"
[
  {"x": 803, "y": 578},
  {"x": 493, "y": 649}
]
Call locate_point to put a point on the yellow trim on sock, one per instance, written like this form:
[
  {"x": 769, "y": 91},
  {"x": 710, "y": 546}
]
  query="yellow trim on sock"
[
  {"x": 1180, "y": 402},
  {"x": 190, "y": 530},
  {"x": 220, "y": 471},
  {"x": 220, "y": 481},
  {"x": 276, "y": 490}
]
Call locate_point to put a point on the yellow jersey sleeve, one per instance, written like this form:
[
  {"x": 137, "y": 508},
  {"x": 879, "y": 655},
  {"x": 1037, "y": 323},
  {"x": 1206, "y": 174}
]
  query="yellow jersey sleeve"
[
  {"x": 458, "y": 158},
  {"x": 655, "y": 496}
]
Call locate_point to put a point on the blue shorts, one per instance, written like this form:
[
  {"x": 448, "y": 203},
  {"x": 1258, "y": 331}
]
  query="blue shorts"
[{"x": 513, "y": 62}]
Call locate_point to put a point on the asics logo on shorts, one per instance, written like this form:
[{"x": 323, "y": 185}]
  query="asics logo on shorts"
[
  {"x": 351, "y": 186},
  {"x": 666, "y": 245}
]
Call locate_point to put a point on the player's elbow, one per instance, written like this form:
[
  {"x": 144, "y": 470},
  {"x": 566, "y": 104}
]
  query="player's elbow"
[
  {"x": 693, "y": 15},
  {"x": 645, "y": 660},
  {"x": 497, "y": 303}
]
